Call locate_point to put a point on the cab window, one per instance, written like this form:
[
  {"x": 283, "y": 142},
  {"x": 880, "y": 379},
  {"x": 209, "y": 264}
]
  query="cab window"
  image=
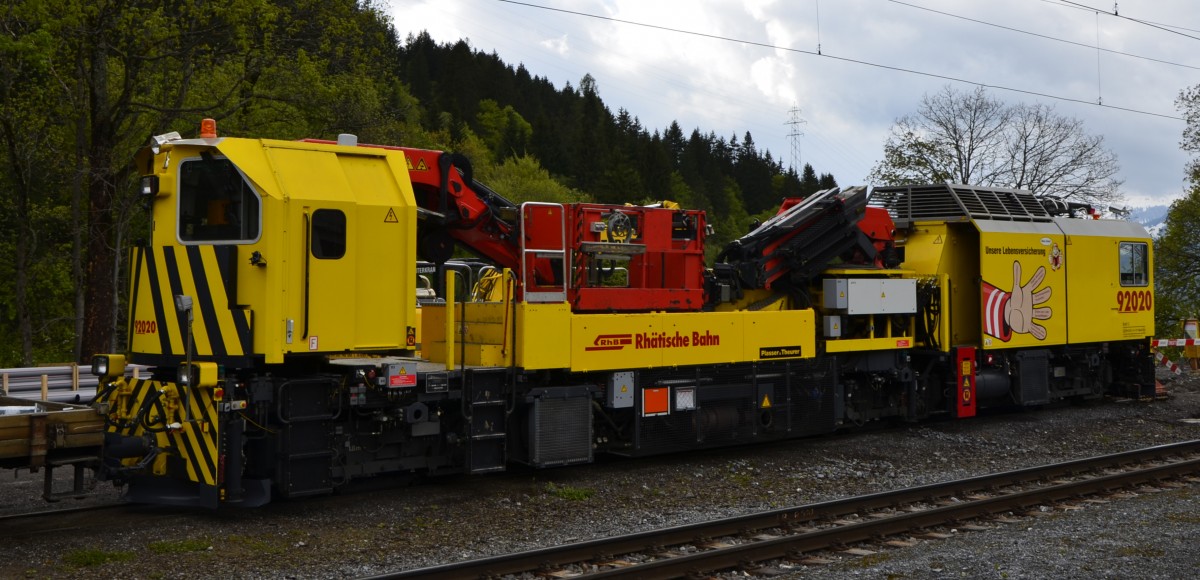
[
  {"x": 1135, "y": 264},
  {"x": 328, "y": 234},
  {"x": 216, "y": 203}
]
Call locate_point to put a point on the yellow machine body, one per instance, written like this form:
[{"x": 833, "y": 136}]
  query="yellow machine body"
[
  {"x": 322, "y": 262},
  {"x": 1017, "y": 260},
  {"x": 1109, "y": 268},
  {"x": 296, "y": 343},
  {"x": 1090, "y": 280},
  {"x": 550, "y": 336}
]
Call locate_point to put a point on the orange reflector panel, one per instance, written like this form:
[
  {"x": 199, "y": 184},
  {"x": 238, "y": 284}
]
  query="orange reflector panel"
[{"x": 656, "y": 401}]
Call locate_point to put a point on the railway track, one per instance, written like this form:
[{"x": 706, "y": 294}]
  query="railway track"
[
  {"x": 56, "y": 521},
  {"x": 748, "y": 543},
  {"x": 6, "y": 519}
]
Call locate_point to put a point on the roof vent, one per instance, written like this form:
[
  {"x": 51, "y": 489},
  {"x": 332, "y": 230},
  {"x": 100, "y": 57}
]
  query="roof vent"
[{"x": 348, "y": 139}]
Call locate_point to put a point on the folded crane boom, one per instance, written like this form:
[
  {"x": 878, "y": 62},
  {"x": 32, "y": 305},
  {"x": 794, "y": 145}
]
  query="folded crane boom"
[{"x": 801, "y": 240}]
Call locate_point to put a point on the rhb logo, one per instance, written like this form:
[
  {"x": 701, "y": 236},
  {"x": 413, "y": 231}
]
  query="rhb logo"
[
  {"x": 650, "y": 340},
  {"x": 610, "y": 342}
]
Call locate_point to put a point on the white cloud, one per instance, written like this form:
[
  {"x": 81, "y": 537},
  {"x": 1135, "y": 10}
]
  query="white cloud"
[
  {"x": 728, "y": 87},
  {"x": 757, "y": 8},
  {"x": 773, "y": 78},
  {"x": 558, "y": 45}
]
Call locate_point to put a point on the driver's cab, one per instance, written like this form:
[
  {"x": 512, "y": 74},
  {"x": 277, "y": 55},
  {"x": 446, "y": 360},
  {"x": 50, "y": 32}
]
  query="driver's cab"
[{"x": 283, "y": 246}]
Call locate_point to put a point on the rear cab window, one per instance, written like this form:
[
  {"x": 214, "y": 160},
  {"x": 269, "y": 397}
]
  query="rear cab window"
[{"x": 1134, "y": 264}]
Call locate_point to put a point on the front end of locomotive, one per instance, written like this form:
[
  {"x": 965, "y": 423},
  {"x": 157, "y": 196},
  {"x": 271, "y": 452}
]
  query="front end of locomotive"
[{"x": 250, "y": 280}]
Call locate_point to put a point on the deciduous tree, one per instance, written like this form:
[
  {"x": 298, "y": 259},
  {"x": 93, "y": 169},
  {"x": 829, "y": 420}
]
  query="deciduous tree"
[
  {"x": 1177, "y": 252},
  {"x": 975, "y": 139}
]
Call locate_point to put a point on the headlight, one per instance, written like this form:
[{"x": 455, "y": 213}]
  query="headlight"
[
  {"x": 149, "y": 186},
  {"x": 108, "y": 366},
  {"x": 100, "y": 365},
  {"x": 202, "y": 375}
]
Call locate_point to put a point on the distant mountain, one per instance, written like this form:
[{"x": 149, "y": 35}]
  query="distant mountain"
[{"x": 1153, "y": 218}]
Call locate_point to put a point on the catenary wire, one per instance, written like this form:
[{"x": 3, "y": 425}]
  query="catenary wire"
[
  {"x": 1090, "y": 9},
  {"x": 1162, "y": 27},
  {"x": 846, "y": 59},
  {"x": 835, "y": 151},
  {"x": 1047, "y": 37}
]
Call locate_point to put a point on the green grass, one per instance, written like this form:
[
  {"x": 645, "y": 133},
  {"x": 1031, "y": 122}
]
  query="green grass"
[
  {"x": 872, "y": 560},
  {"x": 1184, "y": 518},
  {"x": 568, "y": 492},
  {"x": 255, "y": 545},
  {"x": 94, "y": 557},
  {"x": 1141, "y": 552},
  {"x": 180, "y": 546}
]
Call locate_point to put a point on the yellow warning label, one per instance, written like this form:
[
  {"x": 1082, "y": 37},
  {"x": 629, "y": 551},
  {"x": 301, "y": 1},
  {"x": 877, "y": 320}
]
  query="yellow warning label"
[
  {"x": 966, "y": 382},
  {"x": 624, "y": 389},
  {"x": 420, "y": 165},
  {"x": 937, "y": 240},
  {"x": 766, "y": 404},
  {"x": 403, "y": 371},
  {"x": 391, "y": 217}
]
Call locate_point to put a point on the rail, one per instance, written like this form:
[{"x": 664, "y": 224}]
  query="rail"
[{"x": 743, "y": 541}]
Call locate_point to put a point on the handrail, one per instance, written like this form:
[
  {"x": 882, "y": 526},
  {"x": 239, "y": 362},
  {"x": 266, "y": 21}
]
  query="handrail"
[
  {"x": 307, "y": 267},
  {"x": 526, "y": 267}
]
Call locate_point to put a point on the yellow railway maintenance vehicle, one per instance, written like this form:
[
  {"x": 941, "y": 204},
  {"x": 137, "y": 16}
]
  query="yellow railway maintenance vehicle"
[{"x": 307, "y": 326}]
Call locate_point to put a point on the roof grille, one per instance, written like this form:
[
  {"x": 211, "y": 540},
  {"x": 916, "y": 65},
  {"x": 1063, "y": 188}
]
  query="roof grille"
[{"x": 958, "y": 202}]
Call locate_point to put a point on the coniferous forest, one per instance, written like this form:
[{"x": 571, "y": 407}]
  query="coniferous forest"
[{"x": 83, "y": 85}]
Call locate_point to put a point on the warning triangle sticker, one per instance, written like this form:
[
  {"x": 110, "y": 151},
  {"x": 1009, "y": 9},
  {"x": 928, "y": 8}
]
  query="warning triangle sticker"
[
  {"x": 938, "y": 240},
  {"x": 391, "y": 217},
  {"x": 766, "y": 404}
]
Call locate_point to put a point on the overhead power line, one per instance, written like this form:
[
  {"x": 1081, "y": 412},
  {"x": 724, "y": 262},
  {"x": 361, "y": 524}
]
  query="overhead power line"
[
  {"x": 842, "y": 59},
  {"x": 1062, "y": 40},
  {"x": 1115, "y": 14}
]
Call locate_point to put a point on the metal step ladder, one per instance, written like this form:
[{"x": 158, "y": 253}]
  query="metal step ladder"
[
  {"x": 485, "y": 400},
  {"x": 305, "y": 461}
]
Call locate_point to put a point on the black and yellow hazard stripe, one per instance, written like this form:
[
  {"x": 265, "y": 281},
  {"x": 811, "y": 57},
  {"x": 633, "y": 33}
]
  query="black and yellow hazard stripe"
[
  {"x": 191, "y": 441},
  {"x": 208, "y": 274}
]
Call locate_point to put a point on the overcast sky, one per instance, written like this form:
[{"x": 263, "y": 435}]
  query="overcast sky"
[{"x": 742, "y": 65}]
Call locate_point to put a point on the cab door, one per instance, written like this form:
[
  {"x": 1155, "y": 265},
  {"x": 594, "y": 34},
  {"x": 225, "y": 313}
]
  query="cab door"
[
  {"x": 348, "y": 272},
  {"x": 328, "y": 297}
]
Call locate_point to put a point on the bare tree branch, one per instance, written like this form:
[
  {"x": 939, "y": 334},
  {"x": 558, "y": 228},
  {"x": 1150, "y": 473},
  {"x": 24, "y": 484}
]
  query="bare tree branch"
[{"x": 974, "y": 139}]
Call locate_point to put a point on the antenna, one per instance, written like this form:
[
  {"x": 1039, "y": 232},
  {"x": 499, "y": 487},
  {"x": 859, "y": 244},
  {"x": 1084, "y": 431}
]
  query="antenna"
[{"x": 794, "y": 135}]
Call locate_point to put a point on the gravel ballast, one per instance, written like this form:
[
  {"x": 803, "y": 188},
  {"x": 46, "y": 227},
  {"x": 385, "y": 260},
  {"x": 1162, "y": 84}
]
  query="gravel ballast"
[{"x": 385, "y": 525}]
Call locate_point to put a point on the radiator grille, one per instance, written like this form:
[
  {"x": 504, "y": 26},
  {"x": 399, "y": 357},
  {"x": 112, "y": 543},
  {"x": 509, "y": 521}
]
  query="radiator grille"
[
  {"x": 1035, "y": 377},
  {"x": 561, "y": 431}
]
